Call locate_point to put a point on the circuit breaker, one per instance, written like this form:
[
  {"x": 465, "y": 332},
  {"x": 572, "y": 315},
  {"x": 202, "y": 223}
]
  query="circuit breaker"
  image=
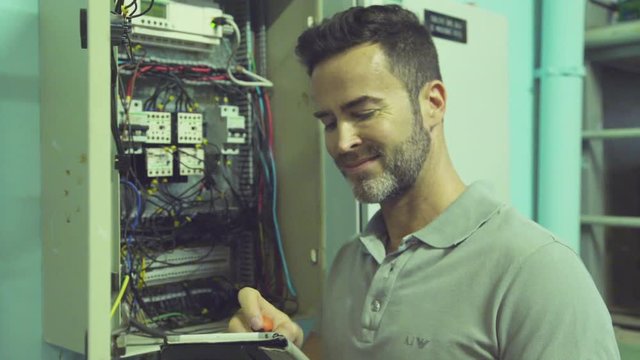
[
  {"x": 189, "y": 128},
  {"x": 236, "y": 130},
  {"x": 191, "y": 161},
  {"x": 159, "y": 162}
]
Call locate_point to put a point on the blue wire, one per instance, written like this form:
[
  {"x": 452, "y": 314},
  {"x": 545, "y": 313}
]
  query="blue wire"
[
  {"x": 292, "y": 290},
  {"x": 136, "y": 221},
  {"x": 262, "y": 159},
  {"x": 274, "y": 184},
  {"x": 266, "y": 168},
  {"x": 259, "y": 91},
  {"x": 129, "y": 258}
]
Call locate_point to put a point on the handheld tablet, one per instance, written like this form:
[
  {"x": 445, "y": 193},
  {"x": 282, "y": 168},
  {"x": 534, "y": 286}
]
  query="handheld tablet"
[{"x": 230, "y": 346}]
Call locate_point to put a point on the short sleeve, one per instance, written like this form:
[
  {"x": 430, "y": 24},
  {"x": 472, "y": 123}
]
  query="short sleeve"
[{"x": 551, "y": 309}]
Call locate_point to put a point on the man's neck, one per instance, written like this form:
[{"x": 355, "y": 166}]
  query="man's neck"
[{"x": 420, "y": 205}]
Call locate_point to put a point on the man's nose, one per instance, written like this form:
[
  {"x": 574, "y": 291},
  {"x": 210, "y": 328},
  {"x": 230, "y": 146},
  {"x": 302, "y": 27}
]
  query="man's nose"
[{"x": 348, "y": 137}]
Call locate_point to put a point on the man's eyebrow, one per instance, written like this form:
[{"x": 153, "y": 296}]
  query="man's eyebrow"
[
  {"x": 360, "y": 101},
  {"x": 321, "y": 114},
  {"x": 350, "y": 104}
]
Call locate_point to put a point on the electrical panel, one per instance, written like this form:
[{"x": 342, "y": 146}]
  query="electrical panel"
[
  {"x": 174, "y": 215},
  {"x": 196, "y": 168}
]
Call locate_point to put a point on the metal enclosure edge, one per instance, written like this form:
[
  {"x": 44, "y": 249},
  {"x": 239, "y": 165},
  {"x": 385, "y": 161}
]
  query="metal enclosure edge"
[{"x": 297, "y": 155}]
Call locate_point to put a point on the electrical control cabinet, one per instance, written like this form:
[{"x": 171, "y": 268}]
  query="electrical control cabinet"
[{"x": 165, "y": 211}]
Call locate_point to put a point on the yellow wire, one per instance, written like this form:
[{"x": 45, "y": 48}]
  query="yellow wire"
[
  {"x": 123, "y": 288},
  {"x": 143, "y": 273}
]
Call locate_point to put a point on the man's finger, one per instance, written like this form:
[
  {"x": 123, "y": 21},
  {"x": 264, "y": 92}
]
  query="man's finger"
[
  {"x": 237, "y": 325},
  {"x": 250, "y": 301},
  {"x": 292, "y": 332}
]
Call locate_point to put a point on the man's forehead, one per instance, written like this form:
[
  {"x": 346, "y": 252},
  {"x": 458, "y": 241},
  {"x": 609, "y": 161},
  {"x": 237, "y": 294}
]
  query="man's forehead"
[
  {"x": 359, "y": 60},
  {"x": 359, "y": 71}
]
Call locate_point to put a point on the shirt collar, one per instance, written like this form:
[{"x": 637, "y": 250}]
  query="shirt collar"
[{"x": 459, "y": 221}]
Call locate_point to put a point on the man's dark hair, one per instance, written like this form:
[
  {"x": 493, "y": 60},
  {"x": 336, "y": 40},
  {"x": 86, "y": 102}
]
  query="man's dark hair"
[{"x": 406, "y": 43}]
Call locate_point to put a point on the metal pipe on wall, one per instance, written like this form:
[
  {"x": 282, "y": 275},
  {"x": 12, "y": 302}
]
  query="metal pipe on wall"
[{"x": 560, "y": 123}]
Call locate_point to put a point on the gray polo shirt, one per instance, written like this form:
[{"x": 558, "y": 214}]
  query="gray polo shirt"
[{"x": 479, "y": 282}]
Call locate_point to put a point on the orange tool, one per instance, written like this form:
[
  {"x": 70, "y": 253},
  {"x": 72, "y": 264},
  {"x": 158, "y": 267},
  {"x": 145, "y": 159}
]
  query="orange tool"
[{"x": 267, "y": 323}]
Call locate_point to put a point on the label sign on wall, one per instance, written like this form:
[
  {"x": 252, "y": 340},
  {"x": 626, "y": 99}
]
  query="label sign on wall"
[{"x": 445, "y": 26}]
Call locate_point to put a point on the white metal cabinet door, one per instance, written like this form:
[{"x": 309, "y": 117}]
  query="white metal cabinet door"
[{"x": 77, "y": 215}]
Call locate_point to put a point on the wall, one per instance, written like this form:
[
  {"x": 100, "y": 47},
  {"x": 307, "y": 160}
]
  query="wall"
[
  {"x": 20, "y": 260},
  {"x": 520, "y": 16},
  {"x": 21, "y": 257}
]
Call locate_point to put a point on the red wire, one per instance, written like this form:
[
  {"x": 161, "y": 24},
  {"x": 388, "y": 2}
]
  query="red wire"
[
  {"x": 132, "y": 80},
  {"x": 170, "y": 69},
  {"x": 267, "y": 102}
]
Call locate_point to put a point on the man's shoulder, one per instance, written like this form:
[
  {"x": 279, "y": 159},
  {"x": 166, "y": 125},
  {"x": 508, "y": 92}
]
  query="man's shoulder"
[
  {"x": 512, "y": 233},
  {"x": 349, "y": 248},
  {"x": 346, "y": 260}
]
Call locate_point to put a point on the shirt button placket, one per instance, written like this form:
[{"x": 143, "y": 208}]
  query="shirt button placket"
[{"x": 375, "y": 305}]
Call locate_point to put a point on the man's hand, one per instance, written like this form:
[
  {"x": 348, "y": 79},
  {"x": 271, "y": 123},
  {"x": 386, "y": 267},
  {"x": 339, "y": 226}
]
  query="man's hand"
[{"x": 250, "y": 317}]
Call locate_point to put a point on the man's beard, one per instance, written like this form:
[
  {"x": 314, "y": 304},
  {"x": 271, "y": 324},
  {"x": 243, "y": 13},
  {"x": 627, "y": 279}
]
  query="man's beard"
[{"x": 401, "y": 166}]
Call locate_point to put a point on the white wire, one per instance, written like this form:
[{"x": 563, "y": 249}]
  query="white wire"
[{"x": 261, "y": 81}]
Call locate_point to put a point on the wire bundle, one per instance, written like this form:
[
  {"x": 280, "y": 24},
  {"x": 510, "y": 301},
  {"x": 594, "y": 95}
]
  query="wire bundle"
[
  {"x": 267, "y": 193},
  {"x": 159, "y": 217},
  {"x": 199, "y": 301}
]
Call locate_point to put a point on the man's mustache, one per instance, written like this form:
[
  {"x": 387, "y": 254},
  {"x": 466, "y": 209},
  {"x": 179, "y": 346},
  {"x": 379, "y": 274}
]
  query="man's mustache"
[{"x": 354, "y": 157}]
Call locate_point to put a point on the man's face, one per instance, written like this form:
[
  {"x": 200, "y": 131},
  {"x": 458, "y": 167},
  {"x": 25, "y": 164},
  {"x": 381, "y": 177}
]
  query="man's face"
[{"x": 373, "y": 131}]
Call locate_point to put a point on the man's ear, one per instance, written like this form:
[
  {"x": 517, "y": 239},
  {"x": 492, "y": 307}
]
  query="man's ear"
[{"x": 433, "y": 103}]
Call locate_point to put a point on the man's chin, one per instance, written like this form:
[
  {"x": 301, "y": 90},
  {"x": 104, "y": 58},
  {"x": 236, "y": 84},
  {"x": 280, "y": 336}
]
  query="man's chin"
[
  {"x": 365, "y": 196},
  {"x": 358, "y": 179},
  {"x": 364, "y": 199}
]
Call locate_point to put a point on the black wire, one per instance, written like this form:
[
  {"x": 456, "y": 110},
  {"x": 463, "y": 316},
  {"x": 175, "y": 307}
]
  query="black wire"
[
  {"x": 118, "y": 6},
  {"x": 172, "y": 85},
  {"x": 158, "y": 206},
  {"x": 129, "y": 46},
  {"x": 232, "y": 56},
  {"x": 154, "y": 259},
  {"x": 114, "y": 108},
  {"x": 145, "y": 329},
  {"x": 144, "y": 12},
  {"x": 180, "y": 197},
  {"x": 133, "y": 3}
]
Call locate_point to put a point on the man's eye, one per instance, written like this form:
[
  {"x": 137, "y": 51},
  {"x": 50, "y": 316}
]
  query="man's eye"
[
  {"x": 364, "y": 115},
  {"x": 329, "y": 126}
]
